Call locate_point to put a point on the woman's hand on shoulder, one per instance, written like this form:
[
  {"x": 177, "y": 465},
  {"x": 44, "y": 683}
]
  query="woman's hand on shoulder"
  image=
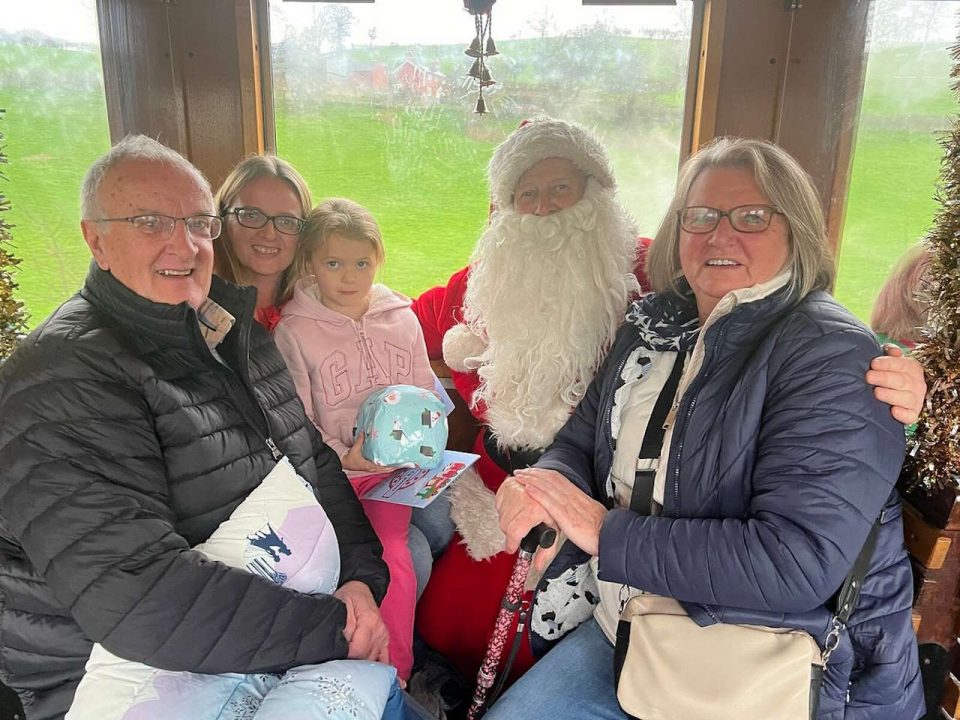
[
  {"x": 898, "y": 381},
  {"x": 575, "y": 513}
]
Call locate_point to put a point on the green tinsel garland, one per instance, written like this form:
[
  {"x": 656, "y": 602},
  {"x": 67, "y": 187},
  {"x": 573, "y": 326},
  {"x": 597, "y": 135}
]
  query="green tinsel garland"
[
  {"x": 934, "y": 461},
  {"x": 12, "y": 314}
]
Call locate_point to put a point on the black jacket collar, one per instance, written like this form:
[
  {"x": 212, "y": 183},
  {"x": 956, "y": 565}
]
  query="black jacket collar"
[{"x": 171, "y": 326}]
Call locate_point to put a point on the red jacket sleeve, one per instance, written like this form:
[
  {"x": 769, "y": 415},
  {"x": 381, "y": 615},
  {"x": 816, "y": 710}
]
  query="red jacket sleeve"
[{"x": 439, "y": 309}]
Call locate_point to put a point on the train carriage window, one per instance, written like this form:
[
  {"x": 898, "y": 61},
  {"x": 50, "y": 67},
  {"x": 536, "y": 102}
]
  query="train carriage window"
[
  {"x": 51, "y": 86},
  {"x": 907, "y": 102},
  {"x": 372, "y": 103}
]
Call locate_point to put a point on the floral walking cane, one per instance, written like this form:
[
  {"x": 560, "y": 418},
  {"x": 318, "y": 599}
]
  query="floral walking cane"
[{"x": 540, "y": 536}]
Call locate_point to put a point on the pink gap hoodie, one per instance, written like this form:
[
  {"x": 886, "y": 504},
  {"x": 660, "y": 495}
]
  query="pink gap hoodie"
[{"x": 337, "y": 361}]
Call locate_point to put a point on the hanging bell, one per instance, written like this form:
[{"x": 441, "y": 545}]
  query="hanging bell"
[
  {"x": 481, "y": 106},
  {"x": 485, "y": 77},
  {"x": 476, "y": 70},
  {"x": 487, "y": 83},
  {"x": 475, "y": 49},
  {"x": 491, "y": 47}
]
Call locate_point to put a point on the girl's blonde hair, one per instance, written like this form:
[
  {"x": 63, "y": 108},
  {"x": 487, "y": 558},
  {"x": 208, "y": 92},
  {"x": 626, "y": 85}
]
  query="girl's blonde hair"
[
  {"x": 788, "y": 187},
  {"x": 254, "y": 167},
  {"x": 336, "y": 216},
  {"x": 898, "y": 313}
]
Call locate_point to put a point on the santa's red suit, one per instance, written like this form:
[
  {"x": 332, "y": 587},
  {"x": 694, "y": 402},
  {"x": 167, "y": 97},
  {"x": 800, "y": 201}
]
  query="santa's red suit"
[{"x": 457, "y": 611}]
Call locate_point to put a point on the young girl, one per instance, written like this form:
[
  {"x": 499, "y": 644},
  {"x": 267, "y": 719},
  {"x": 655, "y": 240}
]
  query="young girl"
[
  {"x": 344, "y": 337},
  {"x": 264, "y": 202}
]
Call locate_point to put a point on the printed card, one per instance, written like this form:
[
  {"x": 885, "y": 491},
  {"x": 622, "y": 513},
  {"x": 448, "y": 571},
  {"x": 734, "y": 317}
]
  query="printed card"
[{"x": 417, "y": 487}]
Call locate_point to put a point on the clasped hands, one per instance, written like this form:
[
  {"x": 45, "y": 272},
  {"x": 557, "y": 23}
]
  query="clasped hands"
[
  {"x": 535, "y": 495},
  {"x": 365, "y": 632}
]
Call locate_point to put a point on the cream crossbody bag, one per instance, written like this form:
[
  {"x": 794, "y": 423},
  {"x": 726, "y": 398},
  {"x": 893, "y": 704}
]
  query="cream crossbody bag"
[{"x": 667, "y": 667}]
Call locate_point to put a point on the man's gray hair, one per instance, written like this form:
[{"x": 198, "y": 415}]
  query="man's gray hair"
[
  {"x": 132, "y": 147},
  {"x": 787, "y": 186}
]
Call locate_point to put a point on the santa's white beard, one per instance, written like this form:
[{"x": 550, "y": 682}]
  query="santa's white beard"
[{"x": 547, "y": 294}]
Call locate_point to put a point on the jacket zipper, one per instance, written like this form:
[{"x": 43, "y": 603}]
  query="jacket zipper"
[
  {"x": 609, "y": 405},
  {"x": 244, "y": 397},
  {"x": 676, "y": 449},
  {"x": 369, "y": 362},
  {"x": 251, "y": 411}
]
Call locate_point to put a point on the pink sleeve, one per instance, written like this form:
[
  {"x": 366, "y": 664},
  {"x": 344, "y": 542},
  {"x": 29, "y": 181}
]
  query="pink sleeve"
[{"x": 284, "y": 337}]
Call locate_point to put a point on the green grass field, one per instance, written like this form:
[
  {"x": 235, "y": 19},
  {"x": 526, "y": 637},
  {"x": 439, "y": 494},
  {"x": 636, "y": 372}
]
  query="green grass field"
[
  {"x": 889, "y": 208},
  {"x": 906, "y": 105},
  {"x": 424, "y": 179},
  {"x": 421, "y": 170},
  {"x": 55, "y": 125},
  {"x": 415, "y": 171}
]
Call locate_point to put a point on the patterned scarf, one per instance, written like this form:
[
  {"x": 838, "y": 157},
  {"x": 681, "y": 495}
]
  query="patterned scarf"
[{"x": 666, "y": 321}]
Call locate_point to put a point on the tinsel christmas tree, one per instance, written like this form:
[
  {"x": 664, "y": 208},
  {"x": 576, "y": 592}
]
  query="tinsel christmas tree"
[
  {"x": 934, "y": 461},
  {"x": 12, "y": 315}
]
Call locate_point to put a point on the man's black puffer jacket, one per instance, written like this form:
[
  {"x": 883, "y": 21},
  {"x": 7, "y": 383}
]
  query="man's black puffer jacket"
[{"x": 124, "y": 442}]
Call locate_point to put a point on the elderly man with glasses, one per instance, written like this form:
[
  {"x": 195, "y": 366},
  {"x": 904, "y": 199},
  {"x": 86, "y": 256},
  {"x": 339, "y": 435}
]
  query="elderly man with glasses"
[{"x": 136, "y": 419}]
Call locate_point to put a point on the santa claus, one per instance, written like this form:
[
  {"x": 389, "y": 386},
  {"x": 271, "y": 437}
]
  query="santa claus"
[{"x": 524, "y": 329}]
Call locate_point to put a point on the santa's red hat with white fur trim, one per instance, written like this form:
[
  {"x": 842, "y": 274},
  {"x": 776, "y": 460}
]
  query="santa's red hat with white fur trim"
[{"x": 537, "y": 140}]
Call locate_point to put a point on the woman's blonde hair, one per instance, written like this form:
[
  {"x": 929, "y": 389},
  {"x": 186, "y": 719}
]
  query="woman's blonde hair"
[
  {"x": 788, "y": 188},
  {"x": 254, "y": 167},
  {"x": 898, "y": 313},
  {"x": 336, "y": 216}
]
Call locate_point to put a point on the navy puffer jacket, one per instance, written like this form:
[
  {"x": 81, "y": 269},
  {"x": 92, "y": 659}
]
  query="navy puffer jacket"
[
  {"x": 124, "y": 442},
  {"x": 780, "y": 462}
]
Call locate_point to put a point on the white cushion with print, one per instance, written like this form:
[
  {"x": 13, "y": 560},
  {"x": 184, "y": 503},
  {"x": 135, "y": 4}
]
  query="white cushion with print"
[{"x": 280, "y": 532}]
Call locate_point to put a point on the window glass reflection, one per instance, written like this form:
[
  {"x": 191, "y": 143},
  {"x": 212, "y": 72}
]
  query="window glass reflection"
[
  {"x": 51, "y": 86},
  {"x": 372, "y": 103},
  {"x": 907, "y": 102}
]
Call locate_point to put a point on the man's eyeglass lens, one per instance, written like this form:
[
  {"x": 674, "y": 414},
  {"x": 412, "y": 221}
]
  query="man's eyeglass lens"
[
  {"x": 254, "y": 219},
  {"x": 745, "y": 219},
  {"x": 201, "y": 226}
]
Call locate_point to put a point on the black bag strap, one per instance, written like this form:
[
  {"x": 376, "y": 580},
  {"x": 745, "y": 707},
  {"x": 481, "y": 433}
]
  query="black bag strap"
[
  {"x": 642, "y": 494},
  {"x": 849, "y": 592}
]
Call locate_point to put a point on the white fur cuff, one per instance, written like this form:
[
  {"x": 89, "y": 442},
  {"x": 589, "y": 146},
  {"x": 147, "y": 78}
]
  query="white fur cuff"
[
  {"x": 462, "y": 348},
  {"x": 473, "y": 509}
]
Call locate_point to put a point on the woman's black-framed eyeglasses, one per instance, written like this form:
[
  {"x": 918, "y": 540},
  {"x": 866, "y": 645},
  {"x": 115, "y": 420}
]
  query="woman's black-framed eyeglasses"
[
  {"x": 254, "y": 218},
  {"x": 700, "y": 219}
]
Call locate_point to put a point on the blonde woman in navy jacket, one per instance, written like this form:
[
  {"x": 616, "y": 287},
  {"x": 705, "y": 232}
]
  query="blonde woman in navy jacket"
[{"x": 777, "y": 459}]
